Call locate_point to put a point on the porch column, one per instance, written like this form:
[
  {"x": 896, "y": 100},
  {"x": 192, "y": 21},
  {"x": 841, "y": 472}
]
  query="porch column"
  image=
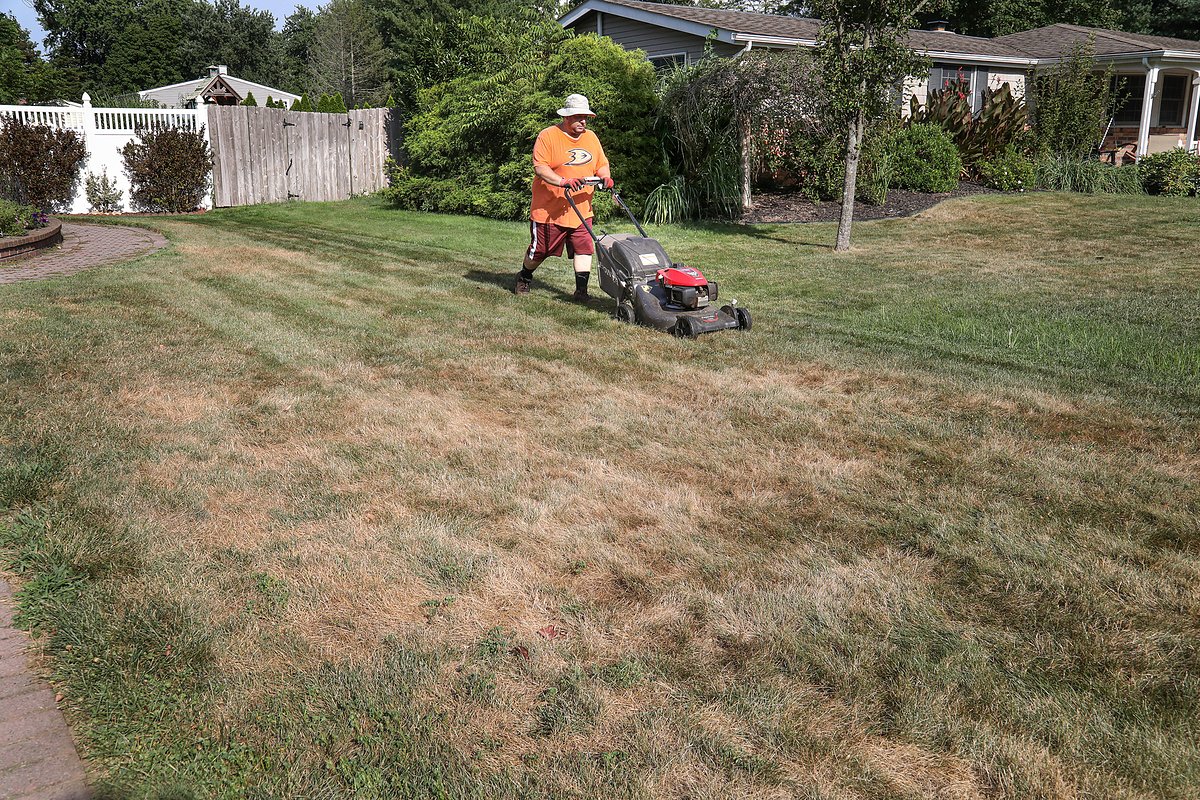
[
  {"x": 1143, "y": 143},
  {"x": 1193, "y": 111}
]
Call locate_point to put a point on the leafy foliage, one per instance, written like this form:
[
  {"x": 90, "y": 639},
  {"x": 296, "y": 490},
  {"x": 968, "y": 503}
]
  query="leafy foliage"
[
  {"x": 1072, "y": 104},
  {"x": 1001, "y": 121},
  {"x": 714, "y": 110},
  {"x": 249, "y": 100},
  {"x": 40, "y": 165},
  {"x": 1008, "y": 171},
  {"x": 925, "y": 159},
  {"x": 468, "y": 148},
  {"x": 24, "y": 74},
  {"x": 103, "y": 196},
  {"x": 16, "y": 219},
  {"x": 1174, "y": 173},
  {"x": 168, "y": 169}
]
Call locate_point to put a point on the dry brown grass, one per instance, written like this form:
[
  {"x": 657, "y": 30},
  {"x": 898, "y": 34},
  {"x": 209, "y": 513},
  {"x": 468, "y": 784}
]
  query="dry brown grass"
[{"x": 849, "y": 578}]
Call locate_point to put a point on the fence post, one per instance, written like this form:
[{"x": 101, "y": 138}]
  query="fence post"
[
  {"x": 88, "y": 121},
  {"x": 201, "y": 122}
]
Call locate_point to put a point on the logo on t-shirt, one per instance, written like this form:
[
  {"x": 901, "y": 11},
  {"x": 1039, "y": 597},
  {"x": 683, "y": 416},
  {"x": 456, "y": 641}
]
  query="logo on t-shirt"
[{"x": 578, "y": 156}]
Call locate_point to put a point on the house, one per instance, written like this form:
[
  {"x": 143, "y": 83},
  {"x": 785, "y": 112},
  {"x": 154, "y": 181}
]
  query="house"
[
  {"x": 219, "y": 88},
  {"x": 1160, "y": 76}
]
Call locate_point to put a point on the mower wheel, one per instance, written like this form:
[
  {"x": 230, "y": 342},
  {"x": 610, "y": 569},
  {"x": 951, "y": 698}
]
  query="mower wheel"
[
  {"x": 626, "y": 314},
  {"x": 745, "y": 321},
  {"x": 685, "y": 328}
]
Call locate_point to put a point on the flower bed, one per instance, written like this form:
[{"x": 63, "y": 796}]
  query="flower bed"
[{"x": 50, "y": 235}]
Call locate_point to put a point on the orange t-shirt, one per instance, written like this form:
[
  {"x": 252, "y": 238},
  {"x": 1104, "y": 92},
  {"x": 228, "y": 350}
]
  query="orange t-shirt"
[{"x": 569, "y": 158}]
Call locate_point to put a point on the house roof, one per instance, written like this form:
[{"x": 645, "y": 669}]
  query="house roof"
[
  {"x": 748, "y": 25},
  {"x": 1024, "y": 48},
  {"x": 1056, "y": 40}
]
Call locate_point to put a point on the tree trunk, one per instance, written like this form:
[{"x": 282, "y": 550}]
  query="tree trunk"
[
  {"x": 853, "y": 150},
  {"x": 747, "y": 200}
]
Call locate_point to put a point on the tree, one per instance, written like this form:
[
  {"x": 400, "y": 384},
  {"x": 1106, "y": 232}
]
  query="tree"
[
  {"x": 347, "y": 54},
  {"x": 249, "y": 100},
  {"x": 24, "y": 75},
  {"x": 296, "y": 39},
  {"x": 863, "y": 55}
]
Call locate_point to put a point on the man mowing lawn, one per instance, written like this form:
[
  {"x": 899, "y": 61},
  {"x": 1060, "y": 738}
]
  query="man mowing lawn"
[{"x": 563, "y": 155}]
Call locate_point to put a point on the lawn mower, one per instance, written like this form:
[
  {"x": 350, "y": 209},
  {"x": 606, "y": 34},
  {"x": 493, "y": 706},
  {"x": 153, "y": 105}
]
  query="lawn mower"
[{"x": 652, "y": 290}]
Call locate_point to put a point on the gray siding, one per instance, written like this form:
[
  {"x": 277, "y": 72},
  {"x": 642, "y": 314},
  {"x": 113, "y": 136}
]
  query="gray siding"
[{"x": 655, "y": 41}]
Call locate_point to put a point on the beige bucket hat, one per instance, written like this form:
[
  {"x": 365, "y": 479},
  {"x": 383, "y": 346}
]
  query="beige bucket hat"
[{"x": 576, "y": 104}]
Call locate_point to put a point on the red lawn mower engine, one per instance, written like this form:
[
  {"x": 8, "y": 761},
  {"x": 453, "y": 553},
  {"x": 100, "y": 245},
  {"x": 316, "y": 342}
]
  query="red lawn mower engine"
[{"x": 686, "y": 287}]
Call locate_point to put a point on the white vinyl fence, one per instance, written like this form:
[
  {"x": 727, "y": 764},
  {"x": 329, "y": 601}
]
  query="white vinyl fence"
[{"x": 105, "y": 131}]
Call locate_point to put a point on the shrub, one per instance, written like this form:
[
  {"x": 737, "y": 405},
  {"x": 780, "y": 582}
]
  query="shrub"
[
  {"x": 40, "y": 165},
  {"x": 924, "y": 158},
  {"x": 1072, "y": 104},
  {"x": 16, "y": 219},
  {"x": 1010, "y": 171},
  {"x": 103, "y": 196},
  {"x": 168, "y": 169},
  {"x": 249, "y": 100},
  {"x": 1175, "y": 173},
  {"x": 1000, "y": 123},
  {"x": 494, "y": 116}
]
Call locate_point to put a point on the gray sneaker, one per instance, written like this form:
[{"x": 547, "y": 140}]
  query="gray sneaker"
[{"x": 522, "y": 286}]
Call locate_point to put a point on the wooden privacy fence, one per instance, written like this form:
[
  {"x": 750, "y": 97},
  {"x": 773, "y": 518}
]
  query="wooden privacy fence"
[{"x": 268, "y": 155}]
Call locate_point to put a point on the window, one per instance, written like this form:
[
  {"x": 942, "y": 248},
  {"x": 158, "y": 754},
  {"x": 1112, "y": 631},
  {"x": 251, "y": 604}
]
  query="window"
[
  {"x": 973, "y": 81},
  {"x": 668, "y": 61},
  {"x": 1129, "y": 91},
  {"x": 1172, "y": 100}
]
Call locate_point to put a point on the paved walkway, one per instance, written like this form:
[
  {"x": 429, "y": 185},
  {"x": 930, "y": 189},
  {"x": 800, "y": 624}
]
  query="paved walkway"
[
  {"x": 37, "y": 754},
  {"x": 83, "y": 246}
]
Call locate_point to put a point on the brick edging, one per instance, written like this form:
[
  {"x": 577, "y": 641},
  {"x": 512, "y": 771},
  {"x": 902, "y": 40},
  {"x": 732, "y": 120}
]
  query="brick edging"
[{"x": 20, "y": 245}]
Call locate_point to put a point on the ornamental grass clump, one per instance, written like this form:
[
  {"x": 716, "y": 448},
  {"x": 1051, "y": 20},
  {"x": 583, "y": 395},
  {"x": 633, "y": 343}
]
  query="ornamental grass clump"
[{"x": 169, "y": 169}]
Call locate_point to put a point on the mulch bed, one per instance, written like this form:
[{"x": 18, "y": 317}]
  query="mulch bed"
[{"x": 776, "y": 207}]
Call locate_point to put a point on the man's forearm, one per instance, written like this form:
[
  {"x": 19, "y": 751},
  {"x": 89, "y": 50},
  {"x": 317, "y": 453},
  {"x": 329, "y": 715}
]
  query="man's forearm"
[{"x": 548, "y": 175}]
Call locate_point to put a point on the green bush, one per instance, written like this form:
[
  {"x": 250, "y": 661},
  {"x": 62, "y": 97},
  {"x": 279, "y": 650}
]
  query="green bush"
[
  {"x": 925, "y": 159},
  {"x": 468, "y": 147},
  {"x": 168, "y": 169},
  {"x": 1072, "y": 105},
  {"x": 250, "y": 101},
  {"x": 1009, "y": 171},
  {"x": 16, "y": 219},
  {"x": 103, "y": 196},
  {"x": 1175, "y": 173},
  {"x": 40, "y": 165}
]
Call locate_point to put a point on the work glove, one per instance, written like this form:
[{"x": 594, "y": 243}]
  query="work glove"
[
  {"x": 573, "y": 184},
  {"x": 608, "y": 183}
]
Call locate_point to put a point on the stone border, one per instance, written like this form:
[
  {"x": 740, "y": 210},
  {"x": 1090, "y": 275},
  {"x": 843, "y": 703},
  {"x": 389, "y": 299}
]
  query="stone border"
[{"x": 11, "y": 247}]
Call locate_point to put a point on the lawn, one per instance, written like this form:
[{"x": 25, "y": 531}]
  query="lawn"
[{"x": 309, "y": 505}]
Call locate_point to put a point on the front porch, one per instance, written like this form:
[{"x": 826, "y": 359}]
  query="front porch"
[{"x": 1157, "y": 110}]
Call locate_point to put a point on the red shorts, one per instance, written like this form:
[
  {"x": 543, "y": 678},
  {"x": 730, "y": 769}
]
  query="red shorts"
[{"x": 547, "y": 239}]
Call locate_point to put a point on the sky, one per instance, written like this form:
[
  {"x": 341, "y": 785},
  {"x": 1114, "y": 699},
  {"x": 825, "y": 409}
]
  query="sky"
[{"x": 23, "y": 11}]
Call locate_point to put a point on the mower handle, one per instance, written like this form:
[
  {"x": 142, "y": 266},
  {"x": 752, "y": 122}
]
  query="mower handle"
[{"x": 599, "y": 184}]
